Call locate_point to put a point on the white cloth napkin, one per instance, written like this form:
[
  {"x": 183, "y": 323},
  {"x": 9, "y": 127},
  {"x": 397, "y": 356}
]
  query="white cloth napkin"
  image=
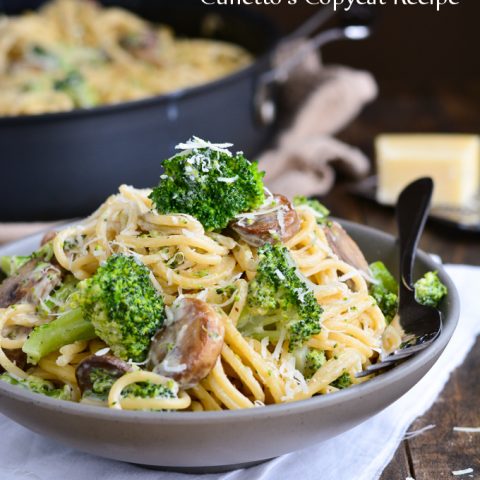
[{"x": 360, "y": 454}]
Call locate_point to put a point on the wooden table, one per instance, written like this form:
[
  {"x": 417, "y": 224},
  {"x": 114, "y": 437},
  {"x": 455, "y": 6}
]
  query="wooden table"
[{"x": 434, "y": 454}]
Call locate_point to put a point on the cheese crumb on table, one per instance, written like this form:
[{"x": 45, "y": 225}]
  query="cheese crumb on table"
[
  {"x": 451, "y": 160},
  {"x": 462, "y": 472}
]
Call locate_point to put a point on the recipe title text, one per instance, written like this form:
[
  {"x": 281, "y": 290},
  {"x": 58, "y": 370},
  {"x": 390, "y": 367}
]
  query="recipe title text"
[{"x": 337, "y": 4}]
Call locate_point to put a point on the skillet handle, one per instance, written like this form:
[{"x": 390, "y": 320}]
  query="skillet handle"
[{"x": 355, "y": 26}]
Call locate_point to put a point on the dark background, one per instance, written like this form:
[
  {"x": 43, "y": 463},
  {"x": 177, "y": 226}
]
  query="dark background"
[
  {"x": 411, "y": 43},
  {"x": 426, "y": 63}
]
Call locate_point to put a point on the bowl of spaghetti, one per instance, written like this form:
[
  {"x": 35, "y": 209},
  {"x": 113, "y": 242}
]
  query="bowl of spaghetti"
[{"x": 202, "y": 319}]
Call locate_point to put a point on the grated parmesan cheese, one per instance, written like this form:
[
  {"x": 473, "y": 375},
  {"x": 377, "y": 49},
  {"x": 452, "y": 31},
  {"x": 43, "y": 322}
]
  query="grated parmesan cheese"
[
  {"x": 102, "y": 352},
  {"x": 462, "y": 472},
  {"x": 264, "y": 344},
  {"x": 279, "y": 274},
  {"x": 295, "y": 381},
  {"x": 196, "y": 143},
  {"x": 169, "y": 277},
  {"x": 281, "y": 220},
  {"x": 228, "y": 180},
  {"x": 301, "y": 294},
  {"x": 467, "y": 429},
  {"x": 279, "y": 345},
  {"x": 348, "y": 276},
  {"x": 167, "y": 367},
  {"x": 267, "y": 191},
  {"x": 264, "y": 209}
]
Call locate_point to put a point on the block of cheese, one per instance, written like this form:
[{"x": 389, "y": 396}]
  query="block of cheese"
[{"x": 453, "y": 161}]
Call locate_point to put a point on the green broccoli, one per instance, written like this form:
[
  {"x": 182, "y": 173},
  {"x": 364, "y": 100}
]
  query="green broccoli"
[
  {"x": 343, "y": 381},
  {"x": 10, "y": 265},
  {"x": 385, "y": 290},
  {"x": 119, "y": 304},
  {"x": 102, "y": 381},
  {"x": 150, "y": 390},
  {"x": 429, "y": 290},
  {"x": 313, "y": 361},
  {"x": 279, "y": 300},
  {"x": 321, "y": 211},
  {"x": 209, "y": 183},
  {"x": 74, "y": 85},
  {"x": 59, "y": 299},
  {"x": 38, "y": 385},
  {"x": 309, "y": 360}
]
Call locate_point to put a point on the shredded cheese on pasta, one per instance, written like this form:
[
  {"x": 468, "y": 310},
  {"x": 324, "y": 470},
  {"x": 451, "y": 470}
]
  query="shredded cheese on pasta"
[{"x": 186, "y": 261}]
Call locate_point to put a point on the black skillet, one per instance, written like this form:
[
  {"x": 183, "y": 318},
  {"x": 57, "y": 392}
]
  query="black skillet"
[{"x": 63, "y": 165}]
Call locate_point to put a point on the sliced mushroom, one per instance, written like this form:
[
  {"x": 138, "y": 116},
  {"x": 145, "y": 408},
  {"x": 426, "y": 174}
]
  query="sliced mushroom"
[
  {"x": 187, "y": 349},
  {"x": 113, "y": 365},
  {"x": 143, "y": 45},
  {"x": 343, "y": 245},
  {"x": 278, "y": 222},
  {"x": 32, "y": 283}
]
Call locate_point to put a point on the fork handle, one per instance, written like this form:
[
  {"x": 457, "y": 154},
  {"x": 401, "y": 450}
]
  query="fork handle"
[{"x": 412, "y": 211}]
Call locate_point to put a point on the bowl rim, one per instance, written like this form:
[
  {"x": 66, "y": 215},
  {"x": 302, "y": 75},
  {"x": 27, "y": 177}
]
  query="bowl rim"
[{"x": 365, "y": 389}]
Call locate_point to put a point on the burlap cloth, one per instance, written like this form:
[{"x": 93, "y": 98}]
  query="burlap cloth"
[{"x": 316, "y": 103}]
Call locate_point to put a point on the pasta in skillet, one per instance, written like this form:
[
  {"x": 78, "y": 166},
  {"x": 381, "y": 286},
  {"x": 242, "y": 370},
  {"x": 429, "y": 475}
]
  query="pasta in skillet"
[{"x": 78, "y": 54}]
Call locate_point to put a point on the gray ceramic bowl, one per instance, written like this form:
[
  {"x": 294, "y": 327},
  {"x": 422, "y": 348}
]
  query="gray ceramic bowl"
[{"x": 209, "y": 441}]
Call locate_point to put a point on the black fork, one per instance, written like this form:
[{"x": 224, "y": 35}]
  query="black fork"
[{"x": 421, "y": 324}]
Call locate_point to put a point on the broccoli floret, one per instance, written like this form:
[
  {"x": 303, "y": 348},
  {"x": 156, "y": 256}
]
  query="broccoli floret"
[
  {"x": 75, "y": 86},
  {"x": 385, "y": 290},
  {"x": 119, "y": 304},
  {"x": 313, "y": 361},
  {"x": 381, "y": 274},
  {"x": 309, "y": 360},
  {"x": 321, "y": 211},
  {"x": 38, "y": 385},
  {"x": 386, "y": 301},
  {"x": 343, "y": 381},
  {"x": 210, "y": 184},
  {"x": 150, "y": 390},
  {"x": 123, "y": 306},
  {"x": 59, "y": 299},
  {"x": 429, "y": 290},
  {"x": 10, "y": 265},
  {"x": 279, "y": 300},
  {"x": 102, "y": 381}
]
